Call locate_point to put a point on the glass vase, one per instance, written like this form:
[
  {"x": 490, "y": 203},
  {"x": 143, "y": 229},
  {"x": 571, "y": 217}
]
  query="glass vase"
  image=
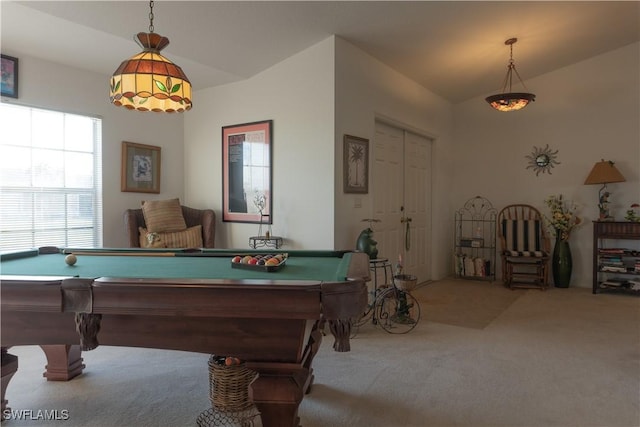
[{"x": 561, "y": 262}]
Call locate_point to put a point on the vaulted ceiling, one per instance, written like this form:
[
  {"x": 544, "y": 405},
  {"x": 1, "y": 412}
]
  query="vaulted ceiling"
[{"x": 454, "y": 48}]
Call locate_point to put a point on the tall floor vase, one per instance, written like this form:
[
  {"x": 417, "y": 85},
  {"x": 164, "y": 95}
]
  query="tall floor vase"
[{"x": 561, "y": 263}]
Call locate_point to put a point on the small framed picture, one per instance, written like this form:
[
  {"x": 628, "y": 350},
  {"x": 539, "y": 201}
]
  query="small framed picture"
[
  {"x": 9, "y": 86},
  {"x": 140, "y": 168},
  {"x": 356, "y": 165}
]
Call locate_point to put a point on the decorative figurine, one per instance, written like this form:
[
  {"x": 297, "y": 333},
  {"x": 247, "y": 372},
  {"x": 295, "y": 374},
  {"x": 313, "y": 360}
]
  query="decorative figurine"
[
  {"x": 366, "y": 243},
  {"x": 604, "y": 207}
]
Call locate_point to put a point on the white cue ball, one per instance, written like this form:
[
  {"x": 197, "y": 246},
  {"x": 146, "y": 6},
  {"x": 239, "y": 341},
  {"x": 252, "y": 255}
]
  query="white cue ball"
[{"x": 70, "y": 259}]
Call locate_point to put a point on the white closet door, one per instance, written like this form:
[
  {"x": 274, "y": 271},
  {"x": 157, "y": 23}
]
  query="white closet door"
[{"x": 401, "y": 178}]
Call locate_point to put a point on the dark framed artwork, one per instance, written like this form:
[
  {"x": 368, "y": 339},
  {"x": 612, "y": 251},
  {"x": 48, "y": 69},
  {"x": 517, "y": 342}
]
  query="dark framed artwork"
[
  {"x": 247, "y": 172},
  {"x": 356, "y": 164},
  {"x": 140, "y": 168},
  {"x": 9, "y": 85}
]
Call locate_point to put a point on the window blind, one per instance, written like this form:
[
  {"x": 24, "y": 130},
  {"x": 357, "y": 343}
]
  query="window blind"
[{"x": 50, "y": 179}]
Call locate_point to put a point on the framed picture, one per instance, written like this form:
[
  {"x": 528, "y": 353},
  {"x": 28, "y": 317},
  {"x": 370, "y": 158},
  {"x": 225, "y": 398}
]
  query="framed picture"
[
  {"x": 9, "y": 85},
  {"x": 356, "y": 165},
  {"x": 140, "y": 168},
  {"x": 246, "y": 172}
]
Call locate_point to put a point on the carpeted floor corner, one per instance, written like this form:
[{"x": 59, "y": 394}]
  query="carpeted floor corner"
[{"x": 466, "y": 303}]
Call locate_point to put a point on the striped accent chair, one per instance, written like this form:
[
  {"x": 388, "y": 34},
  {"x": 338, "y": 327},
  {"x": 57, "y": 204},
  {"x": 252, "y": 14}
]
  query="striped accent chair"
[{"x": 525, "y": 247}]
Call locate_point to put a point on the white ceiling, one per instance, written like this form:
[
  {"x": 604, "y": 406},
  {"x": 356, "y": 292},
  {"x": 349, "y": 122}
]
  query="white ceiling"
[{"x": 454, "y": 48}]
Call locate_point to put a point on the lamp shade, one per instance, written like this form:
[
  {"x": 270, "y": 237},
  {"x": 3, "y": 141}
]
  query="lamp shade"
[
  {"x": 604, "y": 172},
  {"x": 150, "y": 82}
]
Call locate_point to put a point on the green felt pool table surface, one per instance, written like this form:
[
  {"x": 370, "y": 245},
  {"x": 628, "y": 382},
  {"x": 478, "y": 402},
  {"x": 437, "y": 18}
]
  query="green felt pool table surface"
[
  {"x": 189, "y": 300},
  {"x": 203, "y": 264}
]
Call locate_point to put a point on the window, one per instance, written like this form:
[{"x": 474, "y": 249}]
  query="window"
[{"x": 50, "y": 179}]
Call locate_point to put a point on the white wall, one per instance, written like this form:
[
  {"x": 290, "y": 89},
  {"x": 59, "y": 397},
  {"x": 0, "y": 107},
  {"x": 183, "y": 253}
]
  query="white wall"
[
  {"x": 367, "y": 89},
  {"x": 298, "y": 95},
  {"x": 587, "y": 111},
  {"x": 49, "y": 85}
]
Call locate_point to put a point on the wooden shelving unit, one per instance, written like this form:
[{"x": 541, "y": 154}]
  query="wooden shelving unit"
[{"x": 616, "y": 267}]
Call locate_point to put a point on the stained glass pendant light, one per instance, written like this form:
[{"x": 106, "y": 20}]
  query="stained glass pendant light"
[
  {"x": 148, "y": 81},
  {"x": 508, "y": 100}
]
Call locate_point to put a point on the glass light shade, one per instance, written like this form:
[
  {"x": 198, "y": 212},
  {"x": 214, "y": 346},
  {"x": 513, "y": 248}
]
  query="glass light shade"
[
  {"x": 510, "y": 101},
  {"x": 150, "y": 82}
]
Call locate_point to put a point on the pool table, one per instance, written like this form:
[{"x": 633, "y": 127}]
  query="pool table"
[{"x": 190, "y": 300}]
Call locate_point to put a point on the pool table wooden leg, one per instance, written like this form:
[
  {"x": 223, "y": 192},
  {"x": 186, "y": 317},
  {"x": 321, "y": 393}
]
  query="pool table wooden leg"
[
  {"x": 9, "y": 367},
  {"x": 64, "y": 362},
  {"x": 278, "y": 395},
  {"x": 314, "y": 345}
]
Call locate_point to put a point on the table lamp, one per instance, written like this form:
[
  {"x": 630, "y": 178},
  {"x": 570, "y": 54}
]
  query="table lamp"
[{"x": 604, "y": 172}]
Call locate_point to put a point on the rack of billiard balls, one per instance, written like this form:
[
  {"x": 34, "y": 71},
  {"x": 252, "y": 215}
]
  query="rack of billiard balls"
[{"x": 260, "y": 260}]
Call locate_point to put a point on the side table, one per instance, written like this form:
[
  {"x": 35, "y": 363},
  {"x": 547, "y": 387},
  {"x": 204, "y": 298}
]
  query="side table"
[{"x": 387, "y": 269}]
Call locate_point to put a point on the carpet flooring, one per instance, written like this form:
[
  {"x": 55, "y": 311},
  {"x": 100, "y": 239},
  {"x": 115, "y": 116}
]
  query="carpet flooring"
[{"x": 481, "y": 356}]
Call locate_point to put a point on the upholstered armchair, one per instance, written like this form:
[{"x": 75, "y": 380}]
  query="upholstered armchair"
[{"x": 134, "y": 219}]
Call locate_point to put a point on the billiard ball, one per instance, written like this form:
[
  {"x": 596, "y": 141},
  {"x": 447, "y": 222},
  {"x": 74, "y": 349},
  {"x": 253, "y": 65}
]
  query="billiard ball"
[{"x": 70, "y": 259}]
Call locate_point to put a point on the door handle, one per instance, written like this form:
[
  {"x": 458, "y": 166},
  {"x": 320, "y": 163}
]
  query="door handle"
[{"x": 406, "y": 220}]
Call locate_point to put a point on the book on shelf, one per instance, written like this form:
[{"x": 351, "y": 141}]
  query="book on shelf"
[
  {"x": 608, "y": 262},
  {"x": 634, "y": 284},
  {"x": 613, "y": 283},
  {"x": 470, "y": 266},
  {"x": 472, "y": 242},
  {"x": 613, "y": 268},
  {"x": 612, "y": 250},
  {"x": 611, "y": 258}
]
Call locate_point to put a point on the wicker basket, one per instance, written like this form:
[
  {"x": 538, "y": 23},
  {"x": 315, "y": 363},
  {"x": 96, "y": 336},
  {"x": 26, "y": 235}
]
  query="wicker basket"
[
  {"x": 229, "y": 386},
  {"x": 213, "y": 418},
  {"x": 405, "y": 282}
]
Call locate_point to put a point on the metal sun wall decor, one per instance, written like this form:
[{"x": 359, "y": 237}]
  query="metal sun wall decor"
[{"x": 542, "y": 159}]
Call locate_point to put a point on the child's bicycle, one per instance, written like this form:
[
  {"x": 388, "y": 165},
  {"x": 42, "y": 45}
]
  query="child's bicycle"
[{"x": 392, "y": 307}]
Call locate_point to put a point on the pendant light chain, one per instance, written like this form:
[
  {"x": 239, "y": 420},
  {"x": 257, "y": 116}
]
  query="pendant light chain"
[
  {"x": 151, "y": 16},
  {"x": 148, "y": 81},
  {"x": 513, "y": 67}
]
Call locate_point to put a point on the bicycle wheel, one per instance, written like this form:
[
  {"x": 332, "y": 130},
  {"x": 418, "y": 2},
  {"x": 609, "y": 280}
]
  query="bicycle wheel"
[
  {"x": 368, "y": 313},
  {"x": 364, "y": 317},
  {"x": 398, "y": 312}
]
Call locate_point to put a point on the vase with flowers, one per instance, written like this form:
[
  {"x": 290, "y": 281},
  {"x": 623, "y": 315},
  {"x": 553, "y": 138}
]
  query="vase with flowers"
[{"x": 562, "y": 219}]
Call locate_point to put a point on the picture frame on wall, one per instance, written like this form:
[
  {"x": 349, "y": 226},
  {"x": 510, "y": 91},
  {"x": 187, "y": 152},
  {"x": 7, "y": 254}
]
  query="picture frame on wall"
[
  {"x": 247, "y": 172},
  {"x": 9, "y": 84},
  {"x": 356, "y": 164},
  {"x": 141, "y": 165}
]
